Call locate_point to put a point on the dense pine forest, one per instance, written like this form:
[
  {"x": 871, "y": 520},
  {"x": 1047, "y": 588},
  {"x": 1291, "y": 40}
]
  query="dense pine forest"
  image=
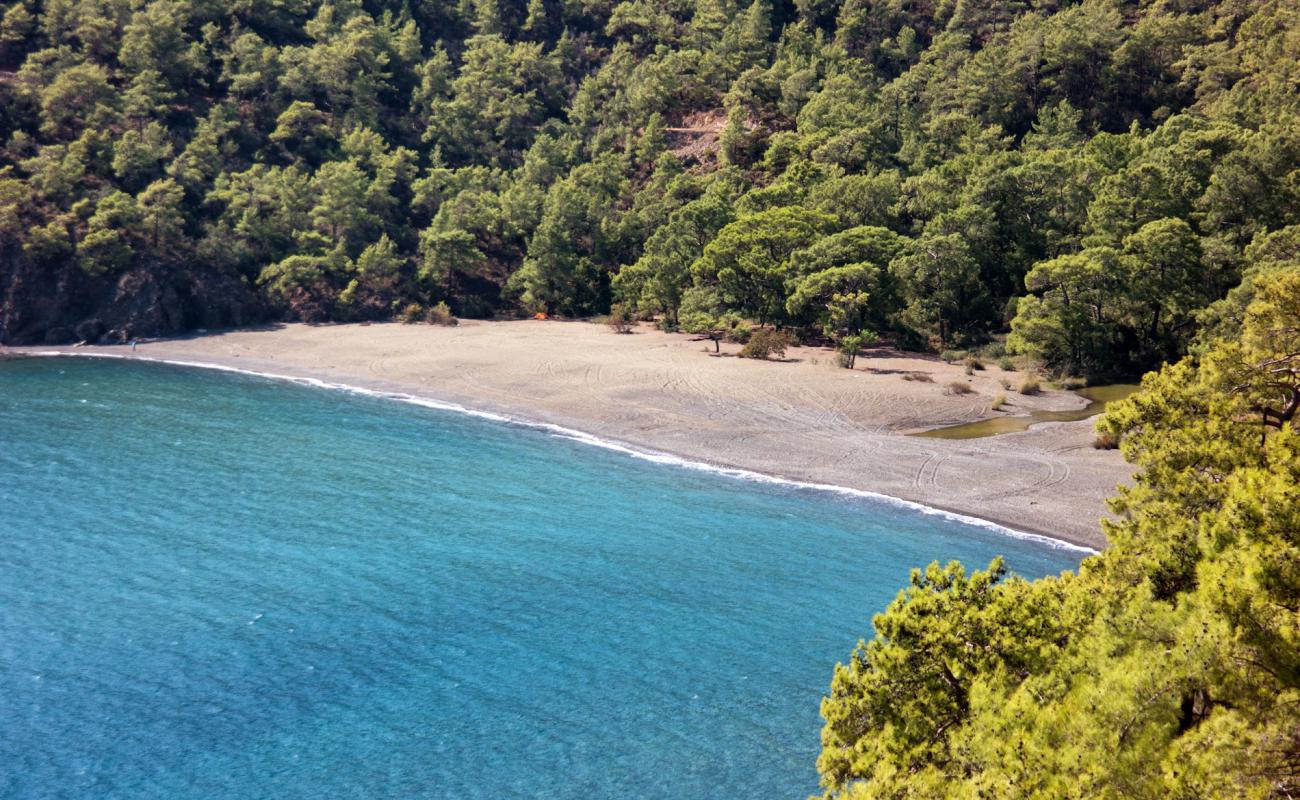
[
  {"x": 1101, "y": 186},
  {"x": 1094, "y": 180}
]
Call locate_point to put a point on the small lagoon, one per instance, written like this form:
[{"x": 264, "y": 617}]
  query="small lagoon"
[
  {"x": 1097, "y": 396},
  {"x": 224, "y": 586}
]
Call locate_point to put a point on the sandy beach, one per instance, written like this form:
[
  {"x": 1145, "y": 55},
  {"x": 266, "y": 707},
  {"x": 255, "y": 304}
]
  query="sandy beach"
[{"x": 804, "y": 418}]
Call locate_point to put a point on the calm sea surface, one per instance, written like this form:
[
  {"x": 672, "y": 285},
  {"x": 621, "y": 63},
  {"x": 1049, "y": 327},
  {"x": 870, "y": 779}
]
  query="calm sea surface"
[{"x": 224, "y": 586}]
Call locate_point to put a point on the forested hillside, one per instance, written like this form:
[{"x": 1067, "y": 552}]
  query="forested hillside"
[{"x": 1092, "y": 178}]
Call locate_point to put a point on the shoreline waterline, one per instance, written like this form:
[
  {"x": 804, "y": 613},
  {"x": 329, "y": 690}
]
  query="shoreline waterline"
[{"x": 582, "y": 437}]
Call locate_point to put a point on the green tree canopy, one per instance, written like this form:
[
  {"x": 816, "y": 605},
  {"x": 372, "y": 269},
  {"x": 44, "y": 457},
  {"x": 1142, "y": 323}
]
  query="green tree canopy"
[
  {"x": 1168, "y": 667},
  {"x": 534, "y": 155},
  {"x": 749, "y": 261}
]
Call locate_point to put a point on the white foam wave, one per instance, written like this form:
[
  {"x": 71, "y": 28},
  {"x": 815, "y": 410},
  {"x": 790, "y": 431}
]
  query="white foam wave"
[{"x": 609, "y": 444}]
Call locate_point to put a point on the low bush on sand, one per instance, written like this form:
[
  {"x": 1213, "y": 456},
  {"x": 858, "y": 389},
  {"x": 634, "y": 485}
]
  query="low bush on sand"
[
  {"x": 619, "y": 319},
  {"x": 765, "y": 343},
  {"x": 1106, "y": 441},
  {"x": 441, "y": 315}
]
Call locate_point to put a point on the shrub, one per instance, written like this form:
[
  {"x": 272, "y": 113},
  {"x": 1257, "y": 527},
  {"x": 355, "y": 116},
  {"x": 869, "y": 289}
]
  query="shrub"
[
  {"x": 1073, "y": 383},
  {"x": 1106, "y": 440},
  {"x": 952, "y": 356},
  {"x": 739, "y": 331},
  {"x": 441, "y": 315},
  {"x": 973, "y": 363},
  {"x": 765, "y": 343},
  {"x": 1030, "y": 385},
  {"x": 620, "y": 318},
  {"x": 958, "y": 387},
  {"x": 1006, "y": 384},
  {"x": 999, "y": 401},
  {"x": 919, "y": 377},
  {"x": 411, "y": 312},
  {"x": 1006, "y": 364}
]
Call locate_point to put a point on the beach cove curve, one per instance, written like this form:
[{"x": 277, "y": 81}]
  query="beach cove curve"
[{"x": 657, "y": 457}]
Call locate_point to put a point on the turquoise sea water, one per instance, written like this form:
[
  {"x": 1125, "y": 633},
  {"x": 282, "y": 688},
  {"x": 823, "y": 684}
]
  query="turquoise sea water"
[{"x": 225, "y": 586}]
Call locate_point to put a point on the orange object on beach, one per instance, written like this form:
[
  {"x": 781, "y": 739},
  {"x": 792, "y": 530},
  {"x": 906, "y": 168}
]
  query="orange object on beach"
[{"x": 540, "y": 315}]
